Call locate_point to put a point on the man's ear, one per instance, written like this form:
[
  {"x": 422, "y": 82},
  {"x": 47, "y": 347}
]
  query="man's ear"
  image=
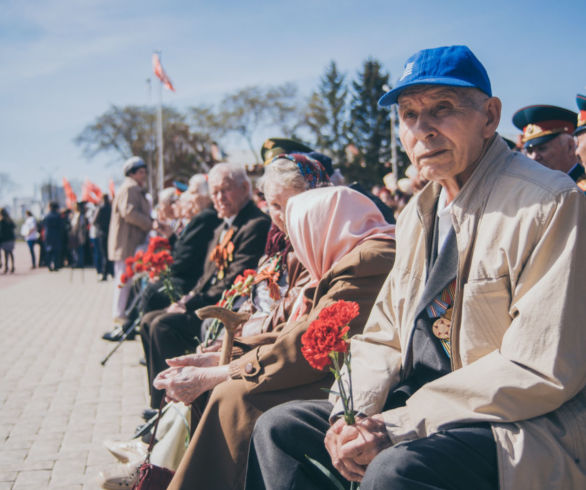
[{"x": 493, "y": 107}]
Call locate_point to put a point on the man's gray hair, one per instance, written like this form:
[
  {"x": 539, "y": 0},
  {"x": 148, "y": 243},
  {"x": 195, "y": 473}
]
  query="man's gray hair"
[
  {"x": 233, "y": 171},
  {"x": 167, "y": 195},
  {"x": 198, "y": 184}
]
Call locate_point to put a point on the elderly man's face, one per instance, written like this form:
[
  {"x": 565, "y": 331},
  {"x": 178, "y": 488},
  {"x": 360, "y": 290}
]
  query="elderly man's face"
[
  {"x": 557, "y": 153},
  {"x": 581, "y": 147},
  {"x": 443, "y": 130},
  {"x": 228, "y": 196},
  {"x": 140, "y": 176}
]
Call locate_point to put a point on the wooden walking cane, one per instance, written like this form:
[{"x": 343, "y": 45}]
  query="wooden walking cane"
[{"x": 231, "y": 321}]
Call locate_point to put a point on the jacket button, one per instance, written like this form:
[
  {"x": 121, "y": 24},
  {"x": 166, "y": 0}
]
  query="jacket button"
[{"x": 249, "y": 368}]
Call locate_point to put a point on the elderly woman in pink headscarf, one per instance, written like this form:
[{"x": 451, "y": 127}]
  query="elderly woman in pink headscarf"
[{"x": 346, "y": 245}]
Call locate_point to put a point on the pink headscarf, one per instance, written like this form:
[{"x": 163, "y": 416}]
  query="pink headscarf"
[{"x": 327, "y": 223}]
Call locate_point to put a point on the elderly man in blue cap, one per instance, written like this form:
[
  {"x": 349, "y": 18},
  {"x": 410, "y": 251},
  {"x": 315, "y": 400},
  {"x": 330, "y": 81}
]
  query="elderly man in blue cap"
[{"x": 470, "y": 371}]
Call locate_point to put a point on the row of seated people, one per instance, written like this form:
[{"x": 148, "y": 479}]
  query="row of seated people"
[{"x": 314, "y": 269}]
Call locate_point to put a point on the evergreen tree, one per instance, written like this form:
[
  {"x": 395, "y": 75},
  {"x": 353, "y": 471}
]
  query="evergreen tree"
[
  {"x": 369, "y": 126},
  {"x": 326, "y": 114}
]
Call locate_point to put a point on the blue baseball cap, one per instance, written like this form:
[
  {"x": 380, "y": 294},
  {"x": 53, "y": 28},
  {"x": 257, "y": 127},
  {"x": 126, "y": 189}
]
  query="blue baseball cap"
[{"x": 454, "y": 66}]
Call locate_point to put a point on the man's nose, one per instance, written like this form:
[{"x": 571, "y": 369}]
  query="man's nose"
[{"x": 424, "y": 128}]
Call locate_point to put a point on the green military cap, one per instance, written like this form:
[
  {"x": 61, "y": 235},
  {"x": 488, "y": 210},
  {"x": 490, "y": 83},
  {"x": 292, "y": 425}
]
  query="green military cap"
[
  {"x": 541, "y": 123},
  {"x": 276, "y": 146}
]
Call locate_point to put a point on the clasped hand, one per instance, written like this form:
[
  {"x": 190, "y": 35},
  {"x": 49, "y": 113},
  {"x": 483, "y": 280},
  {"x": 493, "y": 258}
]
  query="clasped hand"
[
  {"x": 353, "y": 447},
  {"x": 191, "y": 375}
]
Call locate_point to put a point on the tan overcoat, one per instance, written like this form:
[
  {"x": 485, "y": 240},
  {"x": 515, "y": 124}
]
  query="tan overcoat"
[
  {"x": 518, "y": 334},
  {"x": 130, "y": 221},
  {"x": 276, "y": 373}
]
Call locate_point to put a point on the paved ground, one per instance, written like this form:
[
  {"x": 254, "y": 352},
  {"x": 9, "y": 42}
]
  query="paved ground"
[{"x": 57, "y": 403}]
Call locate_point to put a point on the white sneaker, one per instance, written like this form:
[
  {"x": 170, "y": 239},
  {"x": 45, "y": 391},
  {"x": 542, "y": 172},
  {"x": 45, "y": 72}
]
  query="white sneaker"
[
  {"x": 134, "y": 450},
  {"x": 123, "y": 476}
]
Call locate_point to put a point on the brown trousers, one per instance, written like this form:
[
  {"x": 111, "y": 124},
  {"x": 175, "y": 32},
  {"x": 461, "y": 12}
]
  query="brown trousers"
[{"x": 217, "y": 455}]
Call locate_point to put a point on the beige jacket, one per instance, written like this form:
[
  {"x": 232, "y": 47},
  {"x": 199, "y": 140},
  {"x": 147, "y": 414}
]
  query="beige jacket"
[
  {"x": 518, "y": 328},
  {"x": 130, "y": 221}
]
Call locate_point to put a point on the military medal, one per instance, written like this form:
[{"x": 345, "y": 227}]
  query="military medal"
[
  {"x": 441, "y": 329},
  {"x": 223, "y": 253}
]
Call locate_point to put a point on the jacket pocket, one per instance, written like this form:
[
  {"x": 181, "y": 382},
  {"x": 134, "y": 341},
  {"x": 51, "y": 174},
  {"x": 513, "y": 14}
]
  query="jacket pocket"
[{"x": 485, "y": 317}]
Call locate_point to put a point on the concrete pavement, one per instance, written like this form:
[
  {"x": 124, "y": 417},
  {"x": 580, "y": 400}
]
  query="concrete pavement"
[{"x": 57, "y": 403}]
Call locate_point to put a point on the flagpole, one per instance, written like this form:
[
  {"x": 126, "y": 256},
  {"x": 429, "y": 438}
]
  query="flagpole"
[
  {"x": 160, "y": 175},
  {"x": 160, "y": 171},
  {"x": 150, "y": 148}
]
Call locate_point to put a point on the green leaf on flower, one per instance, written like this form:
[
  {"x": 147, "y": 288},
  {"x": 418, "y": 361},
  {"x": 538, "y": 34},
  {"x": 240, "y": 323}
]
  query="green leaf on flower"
[{"x": 327, "y": 390}]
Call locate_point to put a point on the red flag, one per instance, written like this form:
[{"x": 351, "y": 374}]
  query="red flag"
[
  {"x": 70, "y": 197},
  {"x": 111, "y": 188},
  {"x": 160, "y": 73},
  {"x": 90, "y": 192}
]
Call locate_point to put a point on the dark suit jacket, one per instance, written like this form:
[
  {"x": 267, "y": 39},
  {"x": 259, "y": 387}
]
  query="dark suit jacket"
[
  {"x": 251, "y": 227},
  {"x": 190, "y": 252},
  {"x": 53, "y": 226}
]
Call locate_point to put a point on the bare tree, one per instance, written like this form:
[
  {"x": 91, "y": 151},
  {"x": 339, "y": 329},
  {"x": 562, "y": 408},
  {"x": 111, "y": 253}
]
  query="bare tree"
[{"x": 127, "y": 131}]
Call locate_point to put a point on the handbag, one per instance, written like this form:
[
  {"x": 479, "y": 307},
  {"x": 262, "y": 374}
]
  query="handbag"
[{"x": 150, "y": 476}]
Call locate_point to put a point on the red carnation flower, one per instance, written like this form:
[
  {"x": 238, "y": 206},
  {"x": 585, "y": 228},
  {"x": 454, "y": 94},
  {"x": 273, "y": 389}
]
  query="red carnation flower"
[
  {"x": 340, "y": 313},
  {"x": 320, "y": 340}
]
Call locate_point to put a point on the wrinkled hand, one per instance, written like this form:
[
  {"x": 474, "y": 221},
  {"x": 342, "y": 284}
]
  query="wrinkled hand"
[
  {"x": 205, "y": 359},
  {"x": 185, "y": 384},
  {"x": 176, "y": 308},
  {"x": 353, "y": 447}
]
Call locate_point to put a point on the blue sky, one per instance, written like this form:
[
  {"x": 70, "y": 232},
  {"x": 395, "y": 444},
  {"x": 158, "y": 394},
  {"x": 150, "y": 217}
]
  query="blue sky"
[{"x": 64, "y": 62}]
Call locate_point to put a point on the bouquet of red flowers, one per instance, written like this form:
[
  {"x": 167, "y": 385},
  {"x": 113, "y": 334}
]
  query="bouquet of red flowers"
[
  {"x": 154, "y": 263},
  {"x": 326, "y": 340},
  {"x": 240, "y": 288}
]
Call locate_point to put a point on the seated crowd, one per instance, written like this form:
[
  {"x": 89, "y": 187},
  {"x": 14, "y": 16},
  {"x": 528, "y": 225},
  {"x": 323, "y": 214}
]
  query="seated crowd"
[{"x": 465, "y": 358}]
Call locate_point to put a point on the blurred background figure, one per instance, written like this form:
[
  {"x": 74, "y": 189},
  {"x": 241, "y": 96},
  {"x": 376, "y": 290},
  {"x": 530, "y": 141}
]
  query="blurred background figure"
[
  {"x": 102, "y": 224},
  {"x": 78, "y": 235},
  {"x": 53, "y": 231},
  {"x": 129, "y": 226},
  {"x": 91, "y": 213},
  {"x": 30, "y": 233},
  {"x": 167, "y": 221},
  {"x": 7, "y": 237}
]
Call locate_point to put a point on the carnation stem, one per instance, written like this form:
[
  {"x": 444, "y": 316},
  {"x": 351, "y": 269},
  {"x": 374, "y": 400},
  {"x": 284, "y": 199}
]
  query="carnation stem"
[{"x": 348, "y": 411}]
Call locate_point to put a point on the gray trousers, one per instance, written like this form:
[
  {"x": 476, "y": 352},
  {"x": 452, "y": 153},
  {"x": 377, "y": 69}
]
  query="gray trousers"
[{"x": 458, "y": 458}]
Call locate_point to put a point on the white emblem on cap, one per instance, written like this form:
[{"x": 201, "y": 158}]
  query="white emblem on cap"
[{"x": 408, "y": 70}]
